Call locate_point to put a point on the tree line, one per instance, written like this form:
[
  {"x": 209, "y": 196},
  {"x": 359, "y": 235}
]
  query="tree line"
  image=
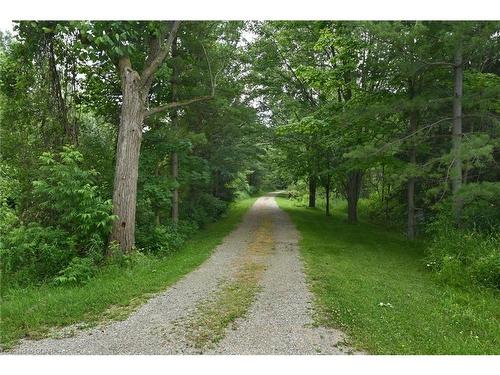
[
  {"x": 129, "y": 135},
  {"x": 118, "y": 136},
  {"x": 401, "y": 116}
]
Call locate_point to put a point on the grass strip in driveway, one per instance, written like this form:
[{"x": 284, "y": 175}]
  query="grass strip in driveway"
[{"x": 208, "y": 324}]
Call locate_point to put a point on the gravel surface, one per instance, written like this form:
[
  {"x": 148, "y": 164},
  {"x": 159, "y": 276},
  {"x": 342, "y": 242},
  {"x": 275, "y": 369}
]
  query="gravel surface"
[{"x": 279, "y": 321}]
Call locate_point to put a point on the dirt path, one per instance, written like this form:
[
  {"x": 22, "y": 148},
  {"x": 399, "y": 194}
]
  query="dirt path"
[{"x": 249, "y": 297}]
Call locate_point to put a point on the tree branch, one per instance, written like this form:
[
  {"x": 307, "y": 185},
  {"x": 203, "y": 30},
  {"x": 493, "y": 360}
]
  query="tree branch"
[
  {"x": 153, "y": 65},
  {"x": 180, "y": 103},
  {"x": 302, "y": 85},
  {"x": 212, "y": 80},
  {"x": 426, "y": 65},
  {"x": 410, "y": 135}
]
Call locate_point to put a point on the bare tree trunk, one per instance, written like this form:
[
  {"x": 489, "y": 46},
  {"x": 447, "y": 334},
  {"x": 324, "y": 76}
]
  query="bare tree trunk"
[
  {"x": 456, "y": 176},
  {"x": 157, "y": 209},
  {"x": 385, "y": 198},
  {"x": 174, "y": 157},
  {"x": 327, "y": 197},
  {"x": 411, "y": 223},
  {"x": 353, "y": 189},
  {"x": 127, "y": 157},
  {"x": 312, "y": 191},
  {"x": 412, "y": 154},
  {"x": 70, "y": 130},
  {"x": 175, "y": 191}
]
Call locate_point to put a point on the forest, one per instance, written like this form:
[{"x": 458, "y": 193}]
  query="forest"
[{"x": 130, "y": 149}]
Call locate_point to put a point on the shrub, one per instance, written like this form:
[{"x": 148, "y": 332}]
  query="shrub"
[
  {"x": 165, "y": 239},
  {"x": 462, "y": 256},
  {"x": 391, "y": 213},
  {"x": 8, "y": 188},
  {"x": 481, "y": 205},
  {"x": 78, "y": 271},
  {"x": 239, "y": 186},
  {"x": 33, "y": 253},
  {"x": 203, "y": 209},
  {"x": 66, "y": 197},
  {"x": 69, "y": 219}
]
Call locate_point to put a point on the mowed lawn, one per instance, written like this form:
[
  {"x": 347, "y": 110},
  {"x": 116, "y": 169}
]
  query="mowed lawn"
[
  {"x": 373, "y": 284},
  {"x": 114, "y": 292}
]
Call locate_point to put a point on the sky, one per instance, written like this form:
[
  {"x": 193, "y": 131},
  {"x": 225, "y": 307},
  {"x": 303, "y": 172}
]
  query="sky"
[{"x": 5, "y": 25}]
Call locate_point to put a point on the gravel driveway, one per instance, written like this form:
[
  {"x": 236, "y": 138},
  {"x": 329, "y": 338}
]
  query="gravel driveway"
[{"x": 278, "y": 320}]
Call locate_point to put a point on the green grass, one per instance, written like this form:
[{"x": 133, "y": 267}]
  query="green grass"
[
  {"x": 353, "y": 268},
  {"x": 114, "y": 292},
  {"x": 232, "y": 301}
]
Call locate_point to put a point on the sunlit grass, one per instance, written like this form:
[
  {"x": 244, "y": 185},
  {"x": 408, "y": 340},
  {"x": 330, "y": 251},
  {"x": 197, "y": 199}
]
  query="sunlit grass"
[{"x": 356, "y": 270}]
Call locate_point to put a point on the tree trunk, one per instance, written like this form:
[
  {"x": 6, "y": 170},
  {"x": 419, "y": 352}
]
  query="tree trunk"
[
  {"x": 127, "y": 157},
  {"x": 411, "y": 226},
  {"x": 352, "y": 192},
  {"x": 411, "y": 223},
  {"x": 175, "y": 191},
  {"x": 135, "y": 91},
  {"x": 312, "y": 191},
  {"x": 174, "y": 158},
  {"x": 385, "y": 197},
  {"x": 70, "y": 129},
  {"x": 456, "y": 176},
  {"x": 157, "y": 209},
  {"x": 327, "y": 197}
]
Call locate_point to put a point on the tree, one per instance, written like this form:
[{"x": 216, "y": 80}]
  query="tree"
[
  {"x": 135, "y": 90},
  {"x": 456, "y": 179}
]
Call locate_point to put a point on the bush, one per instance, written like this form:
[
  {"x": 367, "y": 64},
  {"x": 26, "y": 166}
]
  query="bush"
[
  {"x": 239, "y": 186},
  {"x": 78, "y": 271},
  {"x": 69, "y": 225},
  {"x": 34, "y": 253},
  {"x": 67, "y": 197},
  {"x": 463, "y": 256},
  {"x": 390, "y": 213},
  {"x": 165, "y": 239},
  {"x": 481, "y": 205},
  {"x": 9, "y": 186},
  {"x": 204, "y": 209}
]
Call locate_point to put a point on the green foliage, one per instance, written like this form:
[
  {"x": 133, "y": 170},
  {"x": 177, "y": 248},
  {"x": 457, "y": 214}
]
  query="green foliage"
[
  {"x": 67, "y": 218},
  {"x": 58, "y": 76},
  {"x": 461, "y": 257},
  {"x": 165, "y": 239},
  {"x": 66, "y": 196},
  {"x": 376, "y": 98},
  {"x": 481, "y": 205},
  {"x": 34, "y": 253},
  {"x": 334, "y": 96},
  {"x": 78, "y": 271},
  {"x": 203, "y": 209},
  {"x": 110, "y": 294},
  {"x": 383, "y": 211},
  {"x": 8, "y": 192},
  {"x": 240, "y": 186}
]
